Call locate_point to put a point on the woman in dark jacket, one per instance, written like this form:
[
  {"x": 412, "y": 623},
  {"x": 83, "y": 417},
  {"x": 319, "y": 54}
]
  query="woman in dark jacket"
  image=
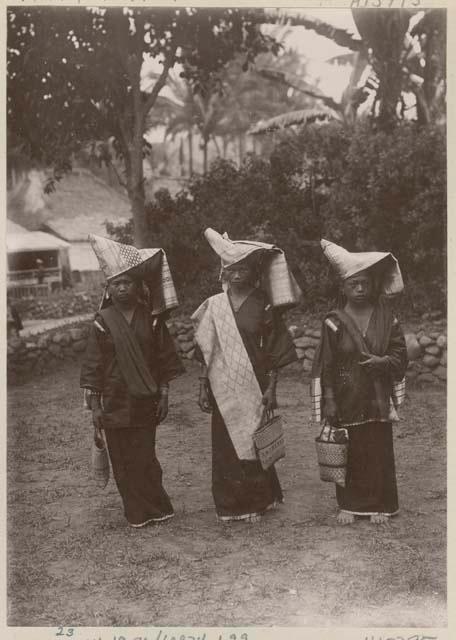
[
  {"x": 358, "y": 379},
  {"x": 129, "y": 362}
]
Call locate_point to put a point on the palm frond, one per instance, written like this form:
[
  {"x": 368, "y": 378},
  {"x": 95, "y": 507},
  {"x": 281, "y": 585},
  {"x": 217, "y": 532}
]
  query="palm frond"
[
  {"x": 342, "y": 37},
  {"x": 344, "y": 58},
  {"x": 299, "y": 117},
  {"x": 291, "y": 80}
]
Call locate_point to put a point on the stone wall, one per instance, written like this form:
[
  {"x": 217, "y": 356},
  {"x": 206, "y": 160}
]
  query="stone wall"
[
  {"x": 426, "y": 345},
  {"x": 426, "y": 348},
  {"x": 43, "y": 352},
  {"x": 182, "y": 332},
  {"x": 61, "y": 304},
  {"x": 427, "y": 352},
  {"x": 46, "y": 350}
]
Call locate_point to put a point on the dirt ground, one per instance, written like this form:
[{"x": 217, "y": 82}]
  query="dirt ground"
[{"x": 74, "y": 562}]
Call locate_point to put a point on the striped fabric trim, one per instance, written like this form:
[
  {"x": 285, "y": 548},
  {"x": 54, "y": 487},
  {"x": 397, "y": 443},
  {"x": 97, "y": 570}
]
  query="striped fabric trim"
[
  {"x": 358, "y": 424},
  {"x": 98, "y": 326},
  {"x": 398, "y": 397},
  {"x": 156, "y": 520},
  {"x": 398, "y": 392},
  {"x": 246, "y": 516},
  {"x": 329, "y": 323},
  {"x": 370, "y": 513},
  {"x": 87, "y": 399},
  {"x": 315, "y": 397}
]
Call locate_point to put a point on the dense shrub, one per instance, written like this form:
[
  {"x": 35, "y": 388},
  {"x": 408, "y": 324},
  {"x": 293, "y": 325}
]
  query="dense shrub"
[
  {"x": 392, "y": 196},
  {"x": 367, "y": 190},
  {"x": 248, "y": 203},
  {"x": 61, "y": 304}
]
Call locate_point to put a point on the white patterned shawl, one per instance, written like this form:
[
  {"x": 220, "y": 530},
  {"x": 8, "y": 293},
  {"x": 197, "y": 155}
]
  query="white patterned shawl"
[{"x": 231, "y": 375}]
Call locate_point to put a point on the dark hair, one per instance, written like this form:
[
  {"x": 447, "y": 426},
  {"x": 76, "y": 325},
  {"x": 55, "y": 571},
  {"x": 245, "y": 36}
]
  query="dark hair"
[{"x": 129, "y": 274}]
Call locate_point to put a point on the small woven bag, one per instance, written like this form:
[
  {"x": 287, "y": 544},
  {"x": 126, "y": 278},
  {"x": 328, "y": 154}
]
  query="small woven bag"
[
  {"x": 269, "y": 440},
  {"x": 100, "y": 465},
  {"x": 332, "y": 457}
]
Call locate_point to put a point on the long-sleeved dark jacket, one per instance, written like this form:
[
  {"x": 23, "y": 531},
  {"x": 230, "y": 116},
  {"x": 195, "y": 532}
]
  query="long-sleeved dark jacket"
[
  {"x": 102, "y": 374},
  {"x": 361, "y": 396}
]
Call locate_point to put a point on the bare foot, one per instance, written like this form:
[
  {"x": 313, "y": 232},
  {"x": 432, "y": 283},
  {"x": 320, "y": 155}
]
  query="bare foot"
[
  {"x": 379, "y": 518},
  {"x": 345, "y": 518}
]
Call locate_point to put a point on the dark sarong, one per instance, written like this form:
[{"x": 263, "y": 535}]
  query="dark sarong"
[
  {"x": 239, "y": 487},
  {"x": 138, "y": 474},
  {"x": 371, "y": 478}
]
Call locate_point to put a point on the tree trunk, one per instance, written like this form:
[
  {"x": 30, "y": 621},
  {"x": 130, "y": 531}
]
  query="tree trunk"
[
  {"x": 389, "y": 94},
  {"x": 181, "y": 157},
  {"x": 216, "y": 144},
  {"x": 383, "y": 31},
  {"x": 205, "y": 143},
  {"x": 434, "y": 70},
  {"x": 422, "y": 108},
  {"x": 241, "y": 147},
  {"x": 190, "y": 152},
  {"x": 140, "y": 226},
  {"x": 225, "y": 147},
  {"x": 136, "y": 193}
]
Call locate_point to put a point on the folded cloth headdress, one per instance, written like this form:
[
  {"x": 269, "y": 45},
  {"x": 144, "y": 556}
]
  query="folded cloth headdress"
[
  {"x": 149, "y": 265},
  {"x": 277, "y": 279},
  {"x": 348, "y": 264}
]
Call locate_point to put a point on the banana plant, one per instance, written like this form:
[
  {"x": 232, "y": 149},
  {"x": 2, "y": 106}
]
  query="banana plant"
[{"x": 400, "y": 51}]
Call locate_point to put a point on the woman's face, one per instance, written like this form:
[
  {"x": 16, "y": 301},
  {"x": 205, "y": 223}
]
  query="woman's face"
[
  {"x": 240, "y": 274},
  {"x": 358, "y": 289},
  {"x": 123, "y": 290}
]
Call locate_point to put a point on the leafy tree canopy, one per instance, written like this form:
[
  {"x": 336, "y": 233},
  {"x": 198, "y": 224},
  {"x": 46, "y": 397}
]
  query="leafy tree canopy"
[{"x": 74, "y": 74}]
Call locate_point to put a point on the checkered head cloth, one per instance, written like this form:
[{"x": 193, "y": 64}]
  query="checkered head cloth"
[
  {"x": 276, "y": 277},
  {"x": 232, "y": 252},
  {"x": 347, "y": 264},
  {"x": 114, "y": 258},
  {"x": 159, "y": 280},
  {"x": 151, "y": 265}
]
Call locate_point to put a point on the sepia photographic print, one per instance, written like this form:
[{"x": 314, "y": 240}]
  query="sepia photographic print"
[{"x": 226, "y": 301}]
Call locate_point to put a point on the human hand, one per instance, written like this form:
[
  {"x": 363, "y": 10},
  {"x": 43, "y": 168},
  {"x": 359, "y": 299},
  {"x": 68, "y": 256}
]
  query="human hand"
[
  {"x": 98, "y": 438},
  {"x": 269, "y": 398},
  {"x": 97, "y": 418},
  {"x": 372, "y": 362},
  {"x": 203, "y": 400},
  {"x": 330, "y": 411}
]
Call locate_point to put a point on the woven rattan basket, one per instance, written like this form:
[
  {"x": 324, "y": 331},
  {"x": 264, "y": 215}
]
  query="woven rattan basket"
[
  {"x": 269, "y": 440},
  {"x": 332, "y": 460}
]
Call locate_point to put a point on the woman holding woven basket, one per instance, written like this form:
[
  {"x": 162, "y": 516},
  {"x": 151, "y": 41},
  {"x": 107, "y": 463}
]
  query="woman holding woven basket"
[
  {"x": 358, "y": 379},
  {"x": 242, "y": 344}
]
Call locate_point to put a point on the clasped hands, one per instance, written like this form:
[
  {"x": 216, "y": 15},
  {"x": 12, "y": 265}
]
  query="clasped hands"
[{"x": 373, "y": 363}]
